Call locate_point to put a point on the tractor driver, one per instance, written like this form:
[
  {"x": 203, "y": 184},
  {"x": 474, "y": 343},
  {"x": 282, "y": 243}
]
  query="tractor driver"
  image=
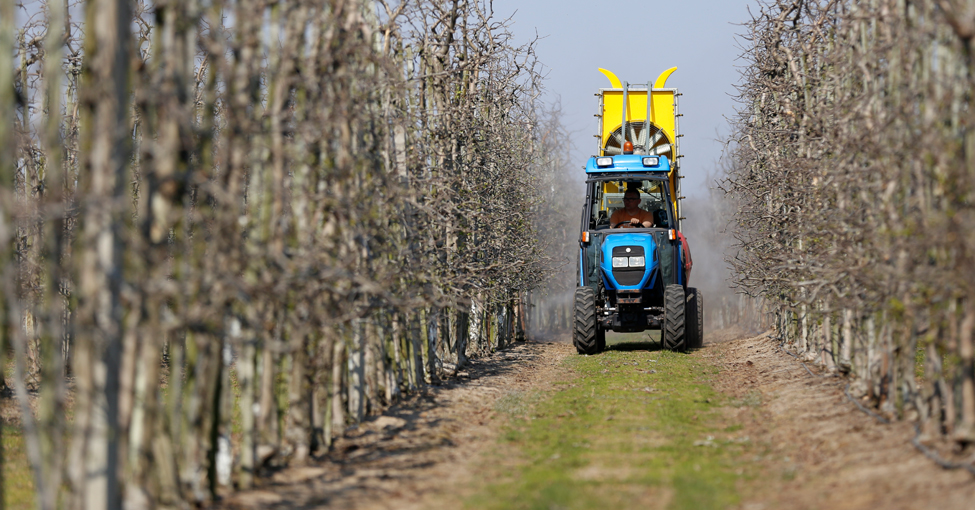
[{"x": 630, "y": 215}]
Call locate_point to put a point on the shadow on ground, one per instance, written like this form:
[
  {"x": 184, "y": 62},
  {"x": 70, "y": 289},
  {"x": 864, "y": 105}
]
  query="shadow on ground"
[
  {"x": 644, "y": 341},
  {"x": 395, "y": 456}
]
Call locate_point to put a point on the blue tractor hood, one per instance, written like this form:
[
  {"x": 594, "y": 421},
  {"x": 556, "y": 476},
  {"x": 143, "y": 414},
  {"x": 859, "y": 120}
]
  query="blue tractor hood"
[{"x": 628, "y": 275}]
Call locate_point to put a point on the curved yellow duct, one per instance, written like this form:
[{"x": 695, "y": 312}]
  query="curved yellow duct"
[
  {"x": 613, "y": 80},
  {"x": 662, "y": 79}
]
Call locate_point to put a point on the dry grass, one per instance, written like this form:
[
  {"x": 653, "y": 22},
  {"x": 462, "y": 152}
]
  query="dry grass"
[{"x": 18, "y": 484}]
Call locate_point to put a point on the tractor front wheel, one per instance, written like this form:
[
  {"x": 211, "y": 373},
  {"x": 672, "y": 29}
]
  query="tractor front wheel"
[
  {"x": 586, "y": 335},
  {"x": 673, "y": 330}
]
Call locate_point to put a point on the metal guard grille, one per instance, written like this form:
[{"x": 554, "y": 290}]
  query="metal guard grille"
[{"x": 628, "y": 276}]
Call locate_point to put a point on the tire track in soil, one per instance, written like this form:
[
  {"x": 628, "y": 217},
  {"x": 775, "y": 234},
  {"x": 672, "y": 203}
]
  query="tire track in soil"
[{"x": 819, "y": 451}]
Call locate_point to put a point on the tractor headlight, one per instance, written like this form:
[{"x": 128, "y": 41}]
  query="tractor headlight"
[
  {"x": 651, "y": 161},
  {"x": 636, "y": 262},
  {"x": 622, "y": 261},
  {"x": 601, "y": 162}
]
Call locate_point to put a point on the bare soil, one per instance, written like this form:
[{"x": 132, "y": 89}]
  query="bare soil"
[
  {"x": 821, "y": 451},
  {"x": 818, "y": 449},
  {"x": 421, "y": 453}
]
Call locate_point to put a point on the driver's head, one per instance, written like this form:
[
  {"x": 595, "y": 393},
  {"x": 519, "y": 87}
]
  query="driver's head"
[{"x": 631, "y": 198}]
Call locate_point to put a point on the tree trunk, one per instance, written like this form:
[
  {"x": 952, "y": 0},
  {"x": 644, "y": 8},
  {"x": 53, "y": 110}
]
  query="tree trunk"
[
  {"x": 432, "y": 320},
  {"x": 966, "y": 352},
  {"x": 357, "y": 372},
  {"x": 846, "y": 341},
  {"x": 462, "y": 332},
  {"x": 338, "y": 371},
  {"x": 105, "y": 144}
]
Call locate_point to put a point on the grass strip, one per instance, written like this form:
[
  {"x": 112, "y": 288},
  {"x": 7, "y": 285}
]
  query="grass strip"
[
  {"x": 628, "y": 428},
  {"x": 18, "y": 480}
]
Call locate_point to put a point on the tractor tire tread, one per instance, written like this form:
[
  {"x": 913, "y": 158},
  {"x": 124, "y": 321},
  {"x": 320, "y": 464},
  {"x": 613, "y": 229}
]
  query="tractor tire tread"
[
  {"x": 674, "y": 332},
  {"x": 695, "y": 318},
  {"x": 586, "y": 336}
]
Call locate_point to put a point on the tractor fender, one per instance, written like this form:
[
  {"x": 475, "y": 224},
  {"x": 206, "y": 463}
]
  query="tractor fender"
[{"x": 688, "y": 262}]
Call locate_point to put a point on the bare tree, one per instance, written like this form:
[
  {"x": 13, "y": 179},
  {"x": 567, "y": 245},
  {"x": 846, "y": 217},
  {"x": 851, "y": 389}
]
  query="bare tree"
[
  {"x": 288, "y": 212},
  {"x": 851, "y": 178}
]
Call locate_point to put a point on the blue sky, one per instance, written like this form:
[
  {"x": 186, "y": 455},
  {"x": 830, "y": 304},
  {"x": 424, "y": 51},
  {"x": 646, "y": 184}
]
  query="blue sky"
[{"x": 638, "y": 40}]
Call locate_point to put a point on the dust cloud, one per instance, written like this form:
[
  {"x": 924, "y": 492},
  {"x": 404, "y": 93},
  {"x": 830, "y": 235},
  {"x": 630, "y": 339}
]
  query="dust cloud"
[
  {"x": 550, "y": 305},
  {"x": 707, "y": 226}
]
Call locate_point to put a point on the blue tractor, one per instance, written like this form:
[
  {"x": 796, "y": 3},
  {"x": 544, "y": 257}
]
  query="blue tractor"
[{"x": 634, "y": 279}]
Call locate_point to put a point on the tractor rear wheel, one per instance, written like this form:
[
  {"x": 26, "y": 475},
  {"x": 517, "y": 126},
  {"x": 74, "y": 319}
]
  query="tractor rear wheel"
[
  {"x": 586, "y": 335},
  {"x": 695, "y": 318},
  {"x": 673, "y": 332}
]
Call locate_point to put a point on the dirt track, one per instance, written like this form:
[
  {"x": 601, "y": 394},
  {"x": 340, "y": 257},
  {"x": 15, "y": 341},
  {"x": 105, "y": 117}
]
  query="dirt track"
[
  {"x": 821, "y": 451},
  {"x": 422, "y": 453},
  {"x": 818, "y": 450}
]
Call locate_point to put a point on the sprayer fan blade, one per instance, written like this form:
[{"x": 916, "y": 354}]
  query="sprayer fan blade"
[
  {"x": 661, "y": 149},
  {"x": 644, "y": 137}
]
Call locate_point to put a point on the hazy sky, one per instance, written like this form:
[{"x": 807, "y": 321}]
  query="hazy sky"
[{"x": 638, "y": 40}]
